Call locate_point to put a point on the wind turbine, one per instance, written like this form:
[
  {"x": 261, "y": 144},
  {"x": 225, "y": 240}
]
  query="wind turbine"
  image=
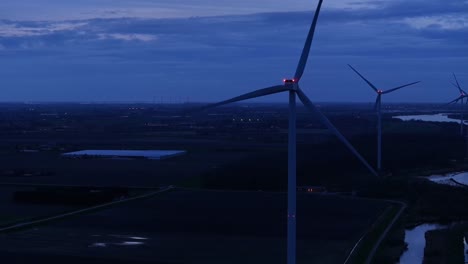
[
  {"x": 461, "y": 98},
  {"x": 378, "y": 108},
  {"x": 292, "y": 87}
]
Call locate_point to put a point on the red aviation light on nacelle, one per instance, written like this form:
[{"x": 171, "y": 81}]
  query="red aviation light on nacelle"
[{"x": 289, "y": 80}]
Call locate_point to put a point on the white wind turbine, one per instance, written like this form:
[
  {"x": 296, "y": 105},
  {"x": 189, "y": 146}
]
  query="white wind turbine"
[
  {"x": 292, "y": 87},
  {"x": 378, "y": 108},
  {"x": 461, "y": 98}
]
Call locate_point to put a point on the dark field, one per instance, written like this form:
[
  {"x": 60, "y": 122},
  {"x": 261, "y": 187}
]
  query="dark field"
[
  {"x": 223, "y": 151},
  {"x": 204, "y": 227},
  {"x": 11, "y": 212},
  {"x": 51, "y": 168},
  {"x": 237, "y": 152}
]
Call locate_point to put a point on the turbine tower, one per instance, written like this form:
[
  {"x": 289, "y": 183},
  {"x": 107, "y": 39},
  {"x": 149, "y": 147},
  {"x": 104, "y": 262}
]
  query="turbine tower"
[
  {"x": 292, "y": 87},
  {"x": 378, "y": 108},
  {"x": 461, "y": 98}
]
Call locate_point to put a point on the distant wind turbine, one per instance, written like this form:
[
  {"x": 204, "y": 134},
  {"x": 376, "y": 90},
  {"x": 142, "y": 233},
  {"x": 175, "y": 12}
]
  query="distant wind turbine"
[
  {"x": 378, "y": 108},
  {"x": 292, "y": 87},
  {"x": 461, "y": 98}
]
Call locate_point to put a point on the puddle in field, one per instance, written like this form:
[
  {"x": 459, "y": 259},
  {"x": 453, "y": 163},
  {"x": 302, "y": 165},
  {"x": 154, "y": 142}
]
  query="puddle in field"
[{"x": 117, "y": 240}]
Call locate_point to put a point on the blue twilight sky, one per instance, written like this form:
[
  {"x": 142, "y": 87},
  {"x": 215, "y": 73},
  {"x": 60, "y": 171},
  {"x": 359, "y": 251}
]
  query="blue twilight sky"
[{"x": 206, "y": 50}]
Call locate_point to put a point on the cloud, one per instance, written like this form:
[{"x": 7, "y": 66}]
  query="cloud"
[
  {"x": 56, "y": 10},
  {"x": 210, "y": 58},
  {"x": 447, "y": 22},
  {"x": 128, "y": 37},
  {"x": 15, "y": 29}
]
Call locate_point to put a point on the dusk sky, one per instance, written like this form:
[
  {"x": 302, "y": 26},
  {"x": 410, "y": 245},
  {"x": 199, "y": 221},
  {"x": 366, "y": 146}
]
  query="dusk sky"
[{"x": 207, "y": 50}]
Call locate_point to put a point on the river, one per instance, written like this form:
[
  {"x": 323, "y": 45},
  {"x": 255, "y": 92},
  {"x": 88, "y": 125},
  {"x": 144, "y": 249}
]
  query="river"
[
  {"x": 416, "y": 241},
  {"x": 466, "y": 247},
  {"x": 461, "y": 177},
  {"x": 415, "y": 238},
  {"x": 429, "y": 118}
]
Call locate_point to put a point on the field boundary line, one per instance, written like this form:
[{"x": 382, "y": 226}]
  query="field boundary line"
[
  {"x": 356, "y": 246},
  {"x": 81, "y": 211},
  {"x": 384, "y": 234},
  {"x": 13, "y": 184}
]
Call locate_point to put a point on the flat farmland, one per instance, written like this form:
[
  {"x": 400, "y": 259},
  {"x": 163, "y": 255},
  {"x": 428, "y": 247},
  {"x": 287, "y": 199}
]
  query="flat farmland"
[
  {"x": 186, "y": 226},
  {"x": 51, "y": 168},
  {"x": 11, "y": 212}
]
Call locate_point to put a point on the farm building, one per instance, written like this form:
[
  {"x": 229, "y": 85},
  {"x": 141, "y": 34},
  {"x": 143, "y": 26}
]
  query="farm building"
[{"x": 126, "y": 154}]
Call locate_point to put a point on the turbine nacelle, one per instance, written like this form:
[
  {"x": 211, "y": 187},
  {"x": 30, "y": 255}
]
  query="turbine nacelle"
[
  {"x": 290, "y": 84},
  {"x": 380, "y": 91}
]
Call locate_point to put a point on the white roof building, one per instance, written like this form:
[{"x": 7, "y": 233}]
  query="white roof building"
[{"x": 119, "y": 154}]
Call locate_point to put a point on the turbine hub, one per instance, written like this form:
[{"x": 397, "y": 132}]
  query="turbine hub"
[
  {"x": 289, "y": 80},
  {"x": 379, "y": 91},
  {"x": 291, "y": 83}
]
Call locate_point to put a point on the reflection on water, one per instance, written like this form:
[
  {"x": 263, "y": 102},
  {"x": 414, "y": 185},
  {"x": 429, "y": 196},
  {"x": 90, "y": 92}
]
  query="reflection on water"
[
  {"x": 416, "y": 242},
  {"x": 99, "y": 245},
  {"x": 429, "y": 118},
  {"x": 130, "y": 237},
  {"x": 116, "y": 240},
  {"x": 129, "y": 243},
  {"x": 124, "y": 243},
  {"x": 138, "y": 238}
]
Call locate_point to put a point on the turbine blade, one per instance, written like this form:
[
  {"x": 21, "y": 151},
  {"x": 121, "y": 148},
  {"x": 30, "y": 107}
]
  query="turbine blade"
[
  {"x": 454, "y": 101},
  {"x": 377, "y": 102},
  {"x": 254, "y": 94},
  {"x": 456, "y": 86},
  {"x": 399, "y": 87},
  {"x": 456, "y": 80},
  {"x": 305, "y": 51},
  {"x": 308, "y": 104},
  {"x": 367, "y": 81}
]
